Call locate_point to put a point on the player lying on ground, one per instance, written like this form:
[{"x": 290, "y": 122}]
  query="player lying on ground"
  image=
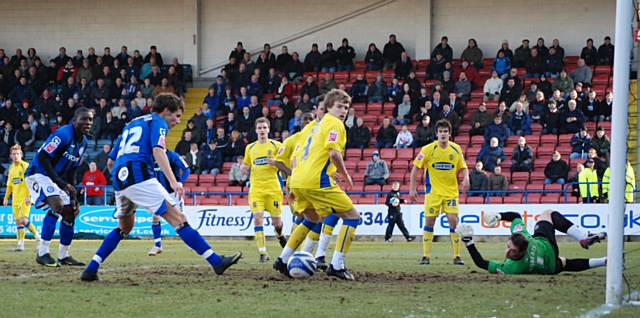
[
  {"x": 537, "y": 253},
  {"x": 51, "y": 178},
  {"x": 265, "y": 189},
  {"x": 179, "y": 168},
  {"x": 317, "y": 159},
  {"x": 18, "y": 192},
  {"x": 135, "y": 183}
]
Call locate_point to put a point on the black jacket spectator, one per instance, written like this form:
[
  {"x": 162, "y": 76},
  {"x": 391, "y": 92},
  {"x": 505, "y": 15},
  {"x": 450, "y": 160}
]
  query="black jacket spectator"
[
  {"x": 329, "y": 58},
  {"x": 509, "y": 94},
  {"x": 605, "y": 52},
  {"x": 346, "y": 54},
  {"x": 392, "y": 50},
  {"x": 589, "y": 54},
  {"x": 282, "y": 61},
  {"x": 522, "y": 159},
  {"x": 374, "y": 60},
  {"x": 478, "y": 181},
  {"x": 445, "y": 51},
  {"x": 313, "y": 60},
  {"x": 572, "y": 121},
  {"x": 536, "y": 65},
  {"x": 386, "y": 137},
  {"x": 358, "y": 136},
  {"x": 295, "y": 66},
  {"x": 521, "y": 56},
  {"x": 556, "y": 170},
  {"x": 424, "y": 135},
  {"x": 551, "y": 121},
  {"x": 403, "y": 68}
]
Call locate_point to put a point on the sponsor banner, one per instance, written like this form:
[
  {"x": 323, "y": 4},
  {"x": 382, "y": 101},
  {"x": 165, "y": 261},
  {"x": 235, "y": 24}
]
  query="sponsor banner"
[{"x": 238, "y": 220}]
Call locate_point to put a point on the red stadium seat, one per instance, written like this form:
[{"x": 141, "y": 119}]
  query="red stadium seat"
[
  {"x": 367, "y": 152},
  {"x": 397, "y": 176},
  {"x": 351, "y": 165},
  {"x": 565, "y": 139},
  {"x": 374, "y": 108},
  {"x": 388, "y": 154},
  {"x": 493, "y": 200},
  {"x": 206, "y": 179},
  {"x": 548, "y": 140},
  {"x": 514, "y": 198},
  {"x": 405, "y": 153},
  {"x": 372, "y": 188},
  {"x": 476, "y": 141},
  {"x": 354, "y": 153},
  {"x": 550, "y": 198},
  {"x": 532, "y": 198},
  {"x": 520, "y": 176},
  {"x": 475, "y": 200}
]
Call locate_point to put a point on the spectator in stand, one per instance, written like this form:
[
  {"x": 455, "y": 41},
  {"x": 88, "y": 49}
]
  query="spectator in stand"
[
  {"x": 480, "y": 119},
  {"x": 295, "y": 68},
  {"x": 283, "y": 59},
  {"x": 501, "y": 65},
  {"x": 491, "y": 155},
  {"x": 522, "y": 157},
  {"x": 538, "y": 105},
  {"x": 605, "y": 52},
  {"x": 377, "y": 171},
  {"x": 630, "y": 178},
  {"x": 510, "y": 93},
  {"x": 402, "y": 111},
  {"x": 359, "y": 135},
  {"x": 313, "y": 59},
  {"x": 462, "y": 88},
  {"x": 444, "y": 49},
  {"x": 492, "y": 87},
  {"x": 424, "y": 132},
  {"x": 403, "y": 66},
  {"x": 582, "y": 73},
  {"x": 328, "y": 84},
  {"x": 573, "y": 119},
  {"x": 588, "y": 179},
  {"x": 359, "y": 89},
  {"x": 230, "y": 123},
  {"x": 536, "y": 65},
  {"x": 391, "y": 52},
  {"x": 377, "y": 90},
  {"x": 193, "y": 158},
  {"x": 329, "y": 59},
  {"x": 557, "y": 170},
  {"x": 559, "y": 49},
  {"x": 436, "y": 67},
  {"x": 346, "y": 54},
  {"x": 564, "y": 83},
  {"x": 452, "y": 117},
  {"x": 600, "y": 164},
  {"x": 473, "y": 54},
  {"x": 245, "y": 121},
  {"x": 456, "y": 104},
  {"x": 238, "y": 52},
  {"x": 520, "y": 121},
  {"x": 551, "y": 119},
  {"x": 279, "y": 123},
  {"x": 153, "y": 52},
  {"x": 498, "y": 130},
  {"x": 580, "y": 144},
  {"x": 295, "y": 123},
  {"x": 522, "y": 55},
  {"x": 478, "y": 181},
  {"x": 543, "y": 51},
  {"x": 601, "y": 143},
  {"x": 311, "y": 88},
  {"x": 102, "y": 158},
  {"x": 498, "y": 183},
  {"x": 404, "y": 138},
  {"x": 24, "y": 136},
  {"x": 350, "y": 120},
  {"x": 211, "y": 159},
  {"x": 591, "y": 108},
  {"x": 387, "y": 134},
  {"x": 182, "y": 148},
  {"x": 606, "y": 106},
  {"x": 504, "y": 48},
  {"x": 373, "y": 59},
  {"x": 222, "y": 140},
  {"x": 93, "y": 180},
  {"x": 236, "y": 175},
  {"x": 589, "y": 54},
  {"x": 554, "y": 63}
]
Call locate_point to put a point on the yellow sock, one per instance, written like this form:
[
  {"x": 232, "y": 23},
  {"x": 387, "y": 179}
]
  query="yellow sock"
[
  {"x": 293, "y": 227},
  {"x": 32, "y": 229},
  {"x": 455, "y": 244},
  {"x": 260, "y": 241},
  {"x": 427, "y": 241},
  {"x": 345, "y": 237},
  {"x": 20, "y": 233},
  {"x": 327, "y": 229},
  {"x": 298, "y": 235}
]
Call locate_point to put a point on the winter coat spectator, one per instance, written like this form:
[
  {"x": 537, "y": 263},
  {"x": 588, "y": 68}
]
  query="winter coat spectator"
[
  {"x": 498, "y": 130},
  {"x": 310, "y": 88},
  {"x": 573, "y": 119},
  {"x": 391, "y": 52},
  {"x": 346, "y": 54},
  {"x": 588, "y": 178},
  {"x": 377, "y": 90},
  {"x": 510, "y": 93},
  {"x": 403, "y": 66},
  {"x": 329, "y": 61},
  {"x": 553, "y": 63},
  {"x": 305, "y": 104},
  {"x": 236, "y": 146},
  {"x": 478, "y": 180},
  {"x": 183, "y": 146},
  {"x": 373, "y": 59},
  {"x": 589, "y": 54},
  {"x": 283, "y": 59},
  {"x": 462, "y": 88},
  {"x": 582, "y": 73},
  {"x": 498, "y": 182},
  {"x": 472, "y": 54},
  {"x": 536, "y": 65},
  {"x": 600, "y": 142},
  {"x": 605, "y": 52},
  {"x": 328, "y": 84},
  {"x": 313, "y": 59},
  {"x": 402, "y": 111},
  {"x": 564, "y": 83},
  {"x": 630, "y": 178},
  {"x": 522, "y": 54},
  {"x": 491, "y": 155},
  {"x": 359, "y": 135},
  {"x": 24, "y": 136},
  {"x": 377, "y": 171},
  {"x": 236, "y": 176},
  {"x": 424, "y": 132},
  {"x": 295, "y": 123},
  {"x": 557, "y": 170},
  {"x": 436, "y": 67},
  {"x": 444, "y": 49},
  {"x": 359, "y": 89},
  {"x": 404, "y": 138},
  {"x": 492, "y": 87},
  {"x": 520, "y": 121},
  {"x": 522, "y": 156},
  {"x": 591, "y": 107},
  {"x": 295, "y": 68},
  {"x": 580, "y": 144},
  {"x": 502, "y": 64},
  {"x": 387, "y": 134},
  {"x": 551, "y": 119},
  {"x": 211, "y": 159},
  {"x": 480, "y": 119},
  {"x": 93, "y": 180}
]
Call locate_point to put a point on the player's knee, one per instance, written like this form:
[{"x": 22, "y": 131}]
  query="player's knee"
[
  {"x": 56, "y": 205},
  {"x": 258, "y": 218},
  {"x": 125, "y": 229},
  {"x": 155, "y": 219},
  {"x": 277, "y": 222},
  {"x": 546, "y": 215},
  {"x": 429, "y": 221}
]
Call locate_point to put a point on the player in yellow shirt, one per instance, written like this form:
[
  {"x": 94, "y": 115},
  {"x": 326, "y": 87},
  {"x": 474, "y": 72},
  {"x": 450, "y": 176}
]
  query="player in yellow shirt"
[
  {"x": 19, "y": 193},
  {"x": 318, "y": 160},
  {"x": 441, "y": 160},
  {"x": 265, "y": 190}
]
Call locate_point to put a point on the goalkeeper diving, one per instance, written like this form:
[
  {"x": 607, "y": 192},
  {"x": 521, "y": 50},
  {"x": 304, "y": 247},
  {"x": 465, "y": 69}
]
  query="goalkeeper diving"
[{"x": 537, "y": 253}]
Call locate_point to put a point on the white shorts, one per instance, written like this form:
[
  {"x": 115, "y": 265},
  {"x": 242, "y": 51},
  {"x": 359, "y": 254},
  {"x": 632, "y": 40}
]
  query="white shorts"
[
  {"x": 42, "y": 187},
  {"x": 149, "y": 194}
]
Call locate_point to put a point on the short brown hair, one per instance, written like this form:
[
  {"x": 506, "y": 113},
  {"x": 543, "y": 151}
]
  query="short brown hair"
[
  {"x": 169, "y": 101},
  {"x": 15, "y": 147},
  {"x": 263, "y": 120},
  {"x": 336, "y": 96},
  {"x": 443, "y": 123},
  {"x": 519, "y": 241}
]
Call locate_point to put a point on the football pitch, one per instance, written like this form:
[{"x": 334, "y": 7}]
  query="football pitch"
[{"x": 390, "y": 283}]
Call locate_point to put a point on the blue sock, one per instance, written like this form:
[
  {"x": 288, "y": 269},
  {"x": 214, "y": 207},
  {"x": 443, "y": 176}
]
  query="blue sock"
[
  {"x": 298, "y": 220},
  {"x": 351, "y": 222},
  {"x": 157, "y": 231},
  {"x": 106, "y": 248},
  {"x": 317, "y": 228},
  {"x": 331, "y": 220},
  {"x": 48, "y": 226},
  {"x": 66, "y": 234},
  {"x": 194, "y": 240},
  {"x": 308, "y": 224}
]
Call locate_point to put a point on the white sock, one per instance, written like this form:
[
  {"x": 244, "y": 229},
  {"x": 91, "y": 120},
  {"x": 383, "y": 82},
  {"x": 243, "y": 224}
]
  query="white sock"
[
  {"x": 309, "y": 245},
  {"x": 576, "y": 233},
  {"x": 597, "y": 262},
  {"x": 44, "y": 247},
  {"x": 323, "y": 243},
  {"x": 63, "y": 251},
  {"x": 338, "y": 260},
  {"x": 286, "y": 254}
]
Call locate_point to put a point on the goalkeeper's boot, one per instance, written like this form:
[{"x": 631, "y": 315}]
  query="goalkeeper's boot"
[
  {"x": 47, "y": 260},
  {"x": 264, "y": 258},
  {"x": 70, "y": 261},
  {"x": 321, "y": 263},
  {"x": 458, "y": 261},
  {"x": 592, "y": 239},
  {"x": 282, "y": 240},
  {"x": 226, "y": 262},
  {"x": 88, "y": 276},
  {"x": 280, "y": 266},
  {"x": 343, "y": 274},
  {"x": 155, "y": 250},
  {"x": 425, "y": 260}
]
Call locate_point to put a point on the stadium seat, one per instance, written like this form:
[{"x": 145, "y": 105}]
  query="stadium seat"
[
  {"x": 351, "y": 165},
  {"x": 405, "y": 153},
  {"x": 565, "y": 139},
  {"x": 493, "y": 200},
  {"x": 388, "y": 154},
  {"x": 475, "y": 200},
  {"x": 514, "y": 198},
  {"x": 354, "y": 154},
  {"x": 520, "y": 176},
  {"x": 374, "y": 108},
  {"x": 548, "y": 140},
  {"x": 206, "y": 179},
  {"x": 550, "y": 198},
  {"x": 372, "y": 188},
  {"x": 532, "y": 198},
  {"x": 367, "y": 152},
  {"x": 397, "y": 176}
]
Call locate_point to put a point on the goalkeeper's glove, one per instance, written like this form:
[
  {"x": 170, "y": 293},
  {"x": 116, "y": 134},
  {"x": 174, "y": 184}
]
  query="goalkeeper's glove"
[
  {"x": 491, "y": 219},
  {"x": 465, "y": 232}
]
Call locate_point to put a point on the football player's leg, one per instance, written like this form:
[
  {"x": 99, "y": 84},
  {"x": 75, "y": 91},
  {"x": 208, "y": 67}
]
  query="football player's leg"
[
  {"x": 19, "y": 227},
  {"x": 49, "y": 223},
  {"x": 257, "y": 208},
  {"x": 311, "y": 241},
  {"x": 562, "y": 224},
  {"x": 26, "y": 209},
  {"x": 156, "y": 229},
  {"x": 455, "y": 239},
  {"x": 350, "y": 221},
  {"x": 582, "y": 264},
  {"x": 69, "y": 213},
  {"x": 427, "y": 234},
  {"x": 275, "y": 212},
  {"x": 328, "y": 224}
]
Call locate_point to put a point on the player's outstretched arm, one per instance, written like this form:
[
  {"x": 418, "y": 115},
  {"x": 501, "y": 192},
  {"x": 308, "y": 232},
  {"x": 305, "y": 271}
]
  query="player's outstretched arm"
[
  {"x": 160, "y": 157},
  {"x": 465, "y": 232},
  {"x": 338, "y": 161},
  {"x": 492, "y": 218}
]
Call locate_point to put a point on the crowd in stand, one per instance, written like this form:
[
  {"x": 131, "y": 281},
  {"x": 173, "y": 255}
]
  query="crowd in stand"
[{"x": 37, "y": 99}]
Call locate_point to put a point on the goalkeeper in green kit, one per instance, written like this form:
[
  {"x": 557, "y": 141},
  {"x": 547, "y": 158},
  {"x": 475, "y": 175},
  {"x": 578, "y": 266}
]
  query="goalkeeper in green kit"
[{"x": 537, "y": 253}]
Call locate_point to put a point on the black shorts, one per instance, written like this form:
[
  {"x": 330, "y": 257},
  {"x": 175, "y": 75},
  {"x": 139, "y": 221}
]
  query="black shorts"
[{"x": 546, "y": 230}]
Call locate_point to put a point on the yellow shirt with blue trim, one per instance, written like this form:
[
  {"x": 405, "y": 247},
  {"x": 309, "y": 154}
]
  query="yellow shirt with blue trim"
[
  {"x": 16, "y": 186},
  {"x": 440, "y": 168},
  {"x": 313, "y": 167},
  {"x": 286, "y": 150},
  {"x": 264, "y": 177}
]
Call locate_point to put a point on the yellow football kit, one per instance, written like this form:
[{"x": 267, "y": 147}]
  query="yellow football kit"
[
  {"x": 265, "y": 190},
  {"x": 17, "y": 189}
]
